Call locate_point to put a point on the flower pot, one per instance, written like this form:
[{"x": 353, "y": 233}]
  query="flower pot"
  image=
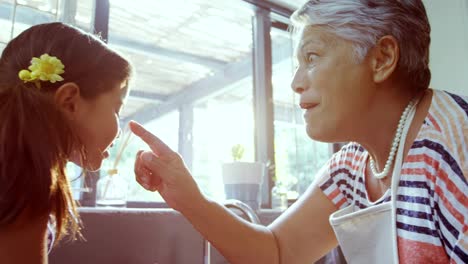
[{"x": 242, "y": 181}]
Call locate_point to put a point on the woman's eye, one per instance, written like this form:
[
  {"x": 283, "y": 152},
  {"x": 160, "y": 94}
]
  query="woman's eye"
[{"x": 311, "y": 57}]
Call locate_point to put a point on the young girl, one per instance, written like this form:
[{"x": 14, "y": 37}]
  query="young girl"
[{"x": 61, "y": 90}]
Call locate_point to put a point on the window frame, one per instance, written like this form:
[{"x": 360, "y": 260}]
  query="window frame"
[{"x": 267, "y": 15}]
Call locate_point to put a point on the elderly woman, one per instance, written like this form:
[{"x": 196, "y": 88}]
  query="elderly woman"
[{"x": 396, "y": 193}]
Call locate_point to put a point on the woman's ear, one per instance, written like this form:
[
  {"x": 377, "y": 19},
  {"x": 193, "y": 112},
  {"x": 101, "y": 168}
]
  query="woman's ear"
[
  {"x": 385, "y": 57},
  {"x": 67, "y": 98}
]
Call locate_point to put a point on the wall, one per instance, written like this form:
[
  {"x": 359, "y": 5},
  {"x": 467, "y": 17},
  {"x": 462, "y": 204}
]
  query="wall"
[
  {"x": 132, "y": 236},
  {"x": 449, "y": 47},
  {"x": 138, "y": 236},
  {"x": 144, "y": 236}
]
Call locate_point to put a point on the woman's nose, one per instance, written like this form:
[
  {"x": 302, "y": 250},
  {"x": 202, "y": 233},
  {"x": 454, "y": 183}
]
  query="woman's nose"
[{"x": 298, "y": 82}]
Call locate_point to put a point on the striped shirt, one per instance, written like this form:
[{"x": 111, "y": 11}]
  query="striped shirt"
[{"x": 432, "y": 203}]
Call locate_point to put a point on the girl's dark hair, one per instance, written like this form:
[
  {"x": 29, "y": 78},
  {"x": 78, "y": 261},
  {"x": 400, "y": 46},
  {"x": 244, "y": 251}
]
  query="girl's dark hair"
[{"x": 36, "y": 139}]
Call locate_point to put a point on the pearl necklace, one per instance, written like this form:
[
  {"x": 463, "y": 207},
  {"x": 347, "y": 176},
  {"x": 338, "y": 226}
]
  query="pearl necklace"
[{"x": 395, "y": 144}]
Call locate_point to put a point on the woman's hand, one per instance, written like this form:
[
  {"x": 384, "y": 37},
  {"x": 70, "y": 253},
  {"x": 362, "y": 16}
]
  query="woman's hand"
[{"x": 163, "y": 170}]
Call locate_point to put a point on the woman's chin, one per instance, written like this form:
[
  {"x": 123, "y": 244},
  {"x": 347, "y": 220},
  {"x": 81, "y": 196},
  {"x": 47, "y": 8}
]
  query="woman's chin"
[{"x": 318, "y": 134}]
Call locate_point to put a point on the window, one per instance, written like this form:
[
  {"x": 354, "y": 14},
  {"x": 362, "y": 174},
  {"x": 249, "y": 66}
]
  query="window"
[
  {"x": 79, "y": 13},
  {"x": 193, "y": 85},
  {"x": 164, "y": 127},
  {"x": 2, "y": 47},
  {"x": 194, "y": 59},
  {"x": 193, "y": 62},
  {"x": 16, "y": 16},
  {"x": 293, "y": 4},
  {"x": 297, "y": 157},
  {"x": 219, "y": 124},
  {"x": 6, "y": 21}
]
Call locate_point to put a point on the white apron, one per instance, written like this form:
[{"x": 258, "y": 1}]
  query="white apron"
[{"x": 369, "y": 235}]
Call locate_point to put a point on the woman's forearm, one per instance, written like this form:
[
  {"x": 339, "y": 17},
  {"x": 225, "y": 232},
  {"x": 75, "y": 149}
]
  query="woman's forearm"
[{"x": 236, "y": 239}]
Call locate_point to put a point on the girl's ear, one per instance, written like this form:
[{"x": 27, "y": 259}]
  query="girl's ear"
[{"x": 67, "y": 98}]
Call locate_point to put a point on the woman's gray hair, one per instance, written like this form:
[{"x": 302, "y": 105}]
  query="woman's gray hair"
[{"x": 364, "y": 22}]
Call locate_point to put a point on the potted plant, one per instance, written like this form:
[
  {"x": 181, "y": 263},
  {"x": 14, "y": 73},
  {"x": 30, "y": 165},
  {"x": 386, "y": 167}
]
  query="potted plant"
[{"x": 242, "y": 180}]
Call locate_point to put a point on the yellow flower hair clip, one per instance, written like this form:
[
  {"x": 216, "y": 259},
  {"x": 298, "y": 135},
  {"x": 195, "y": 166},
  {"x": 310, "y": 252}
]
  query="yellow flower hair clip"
[{"x": 44, "y": 68}]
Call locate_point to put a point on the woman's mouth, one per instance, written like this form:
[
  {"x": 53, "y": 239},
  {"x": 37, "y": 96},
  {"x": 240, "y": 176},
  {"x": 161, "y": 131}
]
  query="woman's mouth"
[
  {"x": 307, "y": 106},
  {"x": 309, "y": 109}
]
